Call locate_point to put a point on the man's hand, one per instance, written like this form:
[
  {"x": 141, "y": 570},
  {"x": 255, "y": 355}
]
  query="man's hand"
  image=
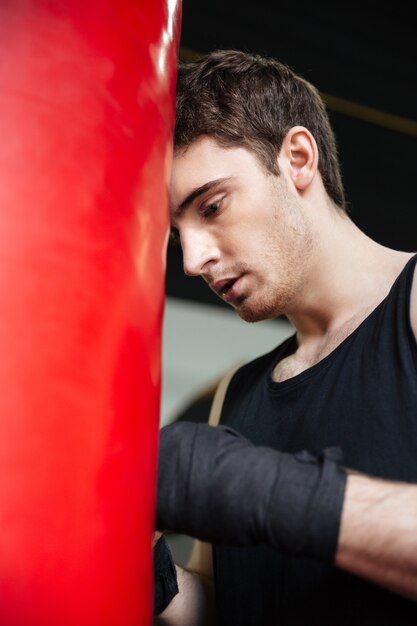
[{"x": 215, "y": 485}]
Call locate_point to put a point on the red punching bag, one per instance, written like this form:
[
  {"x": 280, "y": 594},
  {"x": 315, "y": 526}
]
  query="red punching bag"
[{"x": 86, "y": 116}]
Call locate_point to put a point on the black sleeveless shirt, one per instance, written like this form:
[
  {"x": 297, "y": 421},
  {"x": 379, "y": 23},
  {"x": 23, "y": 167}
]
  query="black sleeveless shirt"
[{"x": 361, "y": 397}]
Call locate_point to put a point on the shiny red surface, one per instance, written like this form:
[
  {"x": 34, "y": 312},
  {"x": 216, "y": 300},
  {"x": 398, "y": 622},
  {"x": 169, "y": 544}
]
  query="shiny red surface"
[{"x": 86, "y": 115}]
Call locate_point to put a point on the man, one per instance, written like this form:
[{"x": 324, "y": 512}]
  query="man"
[{"x": 258, "y": 206}]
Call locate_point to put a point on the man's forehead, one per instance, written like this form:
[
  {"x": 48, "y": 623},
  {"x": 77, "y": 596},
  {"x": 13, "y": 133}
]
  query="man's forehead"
[
  {"x": 202, "y": 156},
  {"x": 202, "y": 163}
]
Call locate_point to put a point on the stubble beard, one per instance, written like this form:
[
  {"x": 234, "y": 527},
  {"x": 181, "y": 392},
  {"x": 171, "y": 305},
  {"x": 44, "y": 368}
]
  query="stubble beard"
[
  {"x": 288, "y": 257},
  {"x": 264, "y": 302},
  {"x": 269, "y": 306}
]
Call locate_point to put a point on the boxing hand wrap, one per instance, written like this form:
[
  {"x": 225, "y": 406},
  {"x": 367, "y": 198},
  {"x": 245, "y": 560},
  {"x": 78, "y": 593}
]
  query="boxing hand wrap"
[
  {"x": 165, "y": 576},
  {"x": 216, "y": 485}
]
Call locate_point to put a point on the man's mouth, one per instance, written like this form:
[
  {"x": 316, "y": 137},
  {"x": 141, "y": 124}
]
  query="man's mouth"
[{"x": 227, "y": 288}]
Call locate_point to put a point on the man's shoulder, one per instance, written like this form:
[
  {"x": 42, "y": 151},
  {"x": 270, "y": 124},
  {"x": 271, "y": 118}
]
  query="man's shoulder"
[
  {"x": 242, "y": 378},
  {"x": 406, "y": 284},
  {"x": 413, "y": 302}
]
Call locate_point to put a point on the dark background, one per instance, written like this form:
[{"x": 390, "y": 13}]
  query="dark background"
[{"x": 363, "y": 55}]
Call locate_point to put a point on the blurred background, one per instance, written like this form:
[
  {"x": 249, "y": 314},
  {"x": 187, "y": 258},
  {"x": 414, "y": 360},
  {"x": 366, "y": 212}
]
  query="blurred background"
[{"x": 362, "y": 58}]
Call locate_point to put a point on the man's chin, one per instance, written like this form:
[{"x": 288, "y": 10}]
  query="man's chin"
[{"x": 252, "y": 313}]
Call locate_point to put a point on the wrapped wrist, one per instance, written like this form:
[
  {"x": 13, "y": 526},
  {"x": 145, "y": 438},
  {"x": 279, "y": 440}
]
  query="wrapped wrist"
[
  {"x": 216, "y": 485},
  {"x": 165, "y": 576}
]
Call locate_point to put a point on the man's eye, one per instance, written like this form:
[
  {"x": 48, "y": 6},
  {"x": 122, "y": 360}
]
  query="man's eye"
[{"x": 210, "y": 209}]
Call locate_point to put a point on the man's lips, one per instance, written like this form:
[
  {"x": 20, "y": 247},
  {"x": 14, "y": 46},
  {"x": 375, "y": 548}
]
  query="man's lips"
[
  {"x": 223, "y": 285},
  {"x": 227, "y": 288}
]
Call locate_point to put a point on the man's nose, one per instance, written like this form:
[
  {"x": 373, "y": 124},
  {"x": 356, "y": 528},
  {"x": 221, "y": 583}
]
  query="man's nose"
[{"x": 199, "y": 251}]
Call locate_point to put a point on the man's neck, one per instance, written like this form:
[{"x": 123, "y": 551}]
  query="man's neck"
[
  {"x": 348, "y": 276},
  {"x": 354, "y": 291}
]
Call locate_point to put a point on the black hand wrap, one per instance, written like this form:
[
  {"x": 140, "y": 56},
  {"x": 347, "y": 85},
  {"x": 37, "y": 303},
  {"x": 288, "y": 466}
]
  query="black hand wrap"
[
  {"x": 165, "y": 576},
  {"x": 215, "y": 485}
]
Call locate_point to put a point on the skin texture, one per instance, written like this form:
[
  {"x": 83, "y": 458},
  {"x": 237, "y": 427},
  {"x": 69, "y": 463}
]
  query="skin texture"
[
  {"x": 249, "y": 225},
  {"x": 298, "y": 254}
]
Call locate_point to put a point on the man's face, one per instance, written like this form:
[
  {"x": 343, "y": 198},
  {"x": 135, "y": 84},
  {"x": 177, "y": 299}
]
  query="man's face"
[{"x": 240, "y": 228}]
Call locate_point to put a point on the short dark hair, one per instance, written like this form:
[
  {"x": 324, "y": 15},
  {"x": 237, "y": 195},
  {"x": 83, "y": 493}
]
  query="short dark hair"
[{"x": 247, "y": 100}]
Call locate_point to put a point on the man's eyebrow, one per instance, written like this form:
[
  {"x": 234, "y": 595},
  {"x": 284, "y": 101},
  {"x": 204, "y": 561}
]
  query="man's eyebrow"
[{"x": 198, "y": 191}]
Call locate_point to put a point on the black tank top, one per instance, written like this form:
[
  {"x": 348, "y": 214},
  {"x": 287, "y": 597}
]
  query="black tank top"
[{"x": 361, "y": 397}]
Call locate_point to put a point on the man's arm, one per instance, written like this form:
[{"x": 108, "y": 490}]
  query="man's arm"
[
  {"x": 244, "y": 494},
  {"x": 377, "y": 541},
  {"x": 378, "y": 534},
  {"x": 193, "y": 605}
]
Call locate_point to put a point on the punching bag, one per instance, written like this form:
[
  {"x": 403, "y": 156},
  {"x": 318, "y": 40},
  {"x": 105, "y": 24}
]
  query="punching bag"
[{"x": 86, "y": 119}]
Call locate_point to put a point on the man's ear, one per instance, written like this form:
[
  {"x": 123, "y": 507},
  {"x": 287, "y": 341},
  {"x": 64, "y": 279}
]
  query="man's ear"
[{"x": 299, "y": 156}]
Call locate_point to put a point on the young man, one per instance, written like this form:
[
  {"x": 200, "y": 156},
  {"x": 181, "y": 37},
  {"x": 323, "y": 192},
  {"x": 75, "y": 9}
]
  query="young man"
[{"x": 258, "y": 206}]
